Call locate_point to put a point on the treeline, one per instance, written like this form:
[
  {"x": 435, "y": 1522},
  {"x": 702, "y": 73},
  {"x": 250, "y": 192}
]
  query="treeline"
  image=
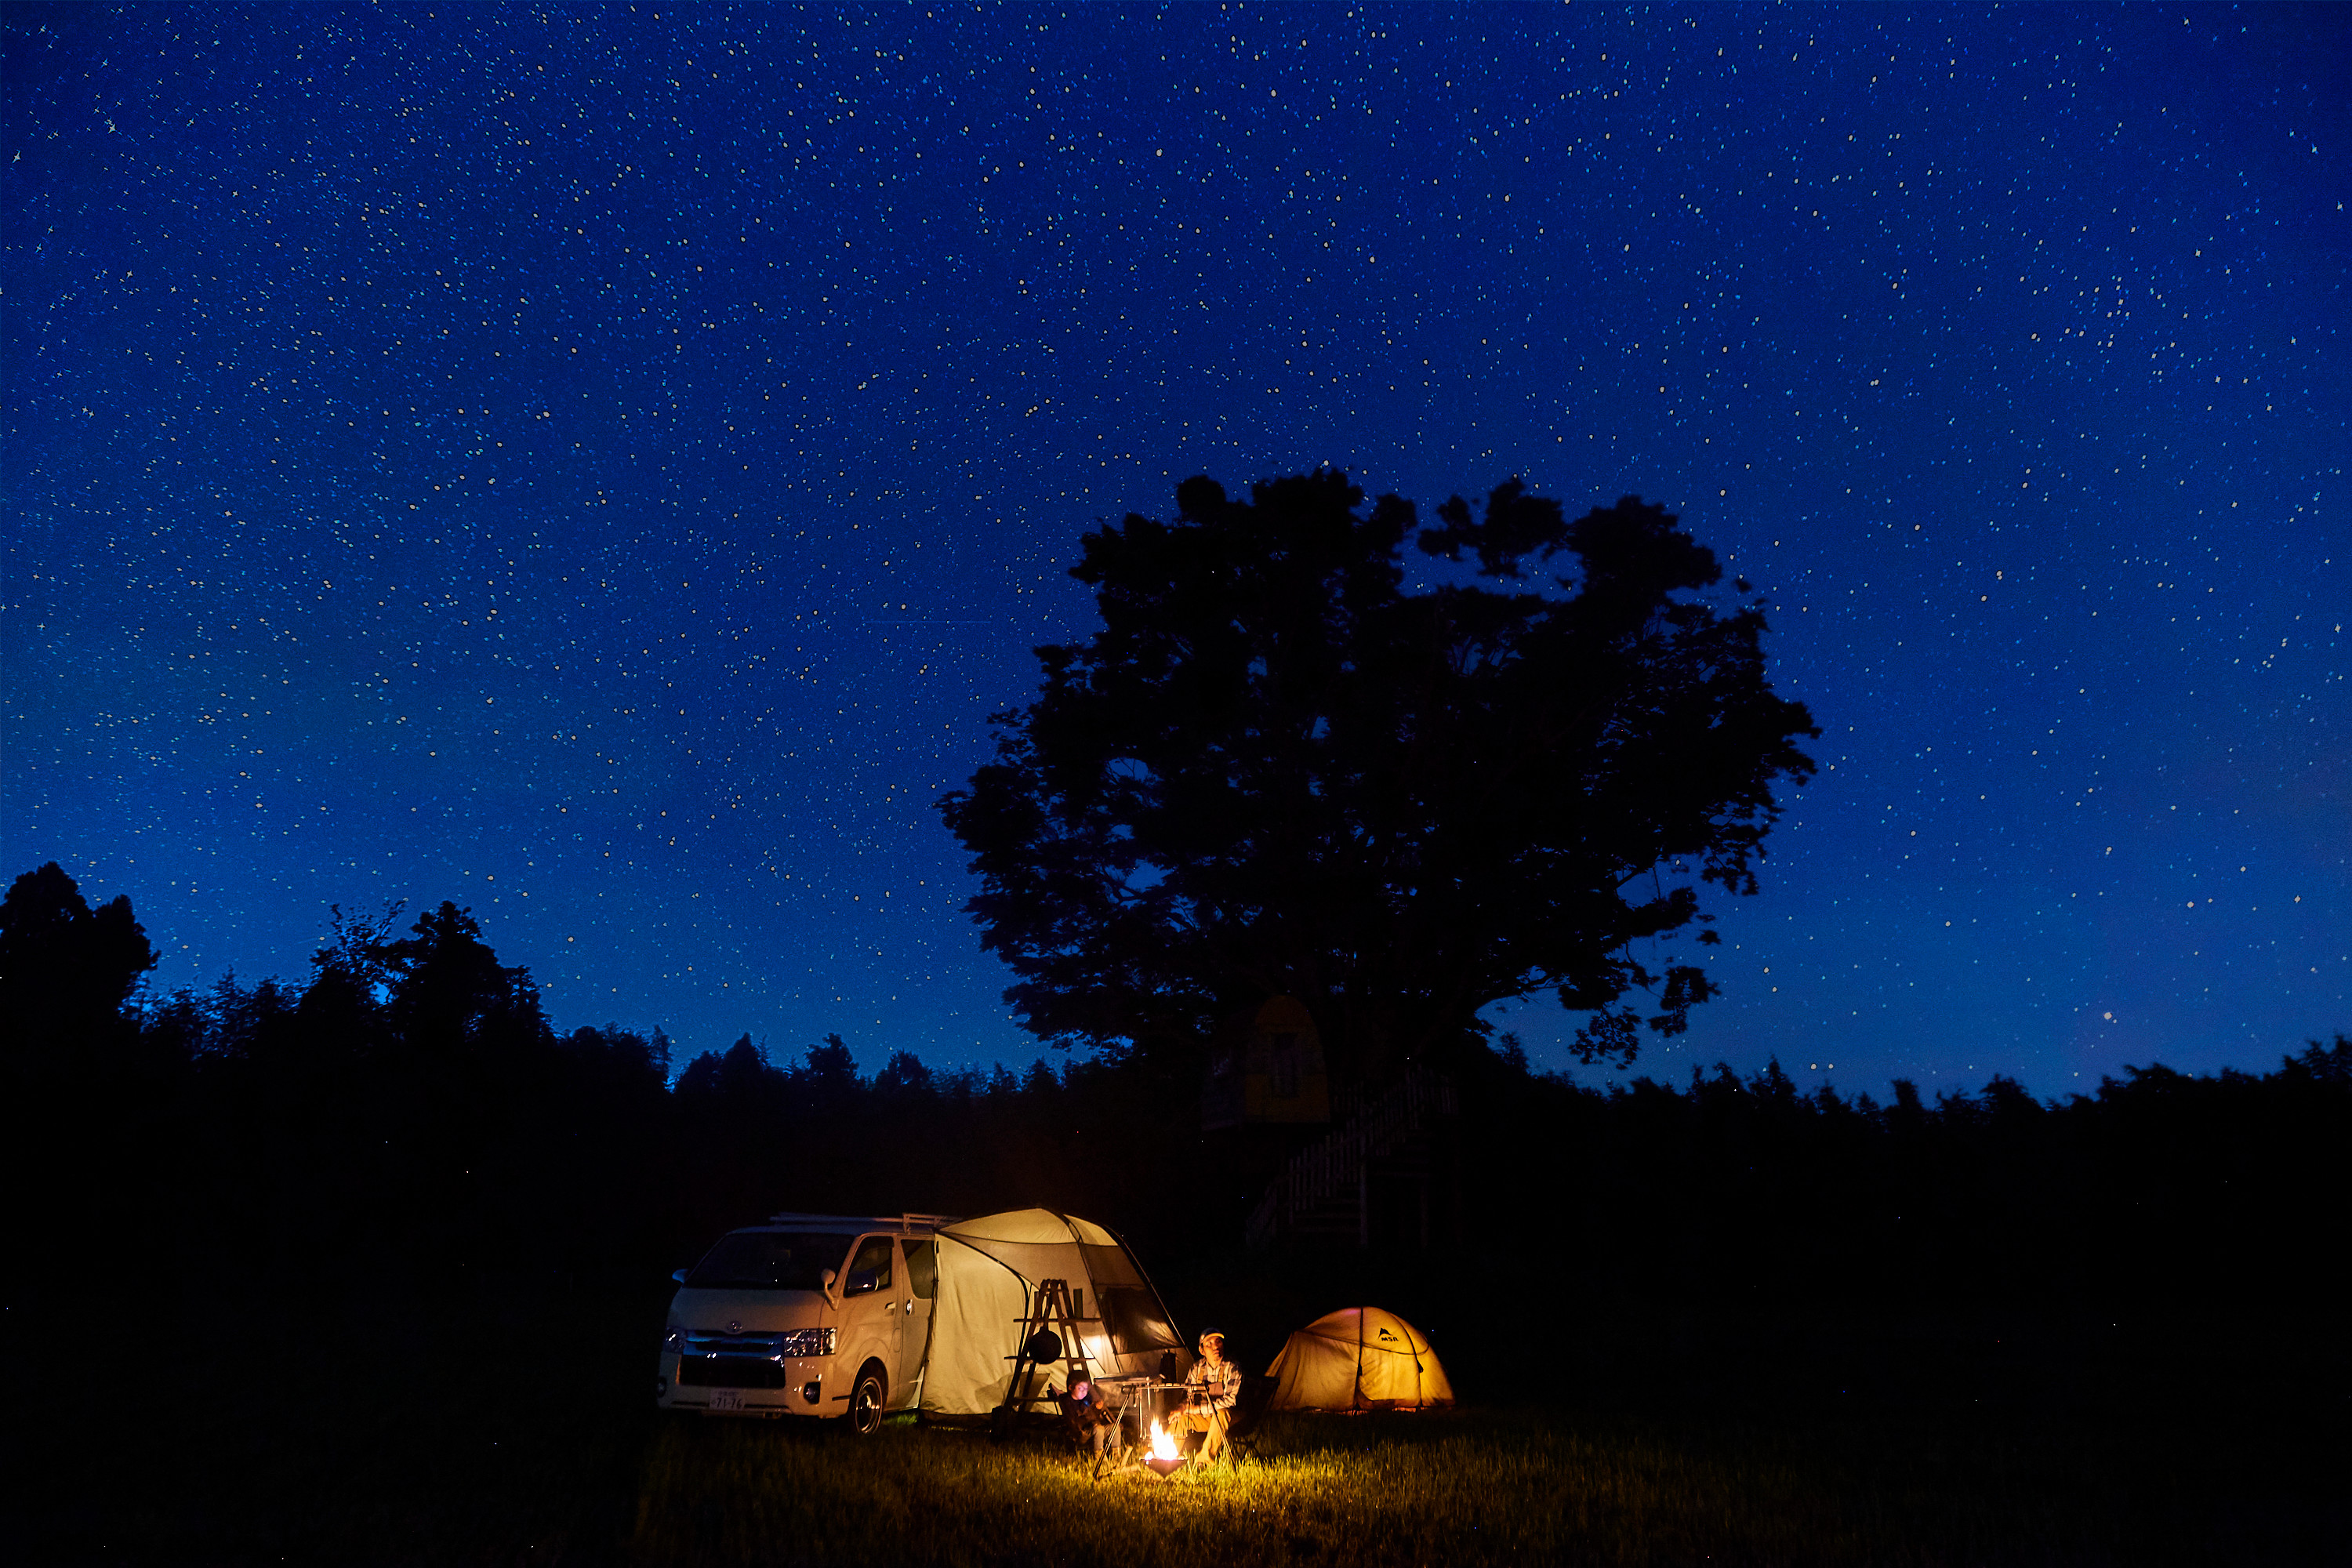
[
  {"x": 2158, "y": 1190},
  {"x": 409, "y": 1114}
]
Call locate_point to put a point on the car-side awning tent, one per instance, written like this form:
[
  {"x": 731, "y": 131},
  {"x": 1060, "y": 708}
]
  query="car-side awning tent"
[
  {"x": 1358, "y": 1358},
  {"x": 988, "y": 1272}
]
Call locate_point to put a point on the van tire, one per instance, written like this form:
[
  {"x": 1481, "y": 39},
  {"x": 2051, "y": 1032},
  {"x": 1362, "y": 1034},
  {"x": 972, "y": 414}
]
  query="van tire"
[{"x": 869, "y": 1398}]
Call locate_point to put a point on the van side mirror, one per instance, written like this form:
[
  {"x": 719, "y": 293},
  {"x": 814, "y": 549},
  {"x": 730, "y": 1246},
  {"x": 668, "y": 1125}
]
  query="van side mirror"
[
  {"x": 678, "y": 1275},
  {"x": 829, "y": 1277}
]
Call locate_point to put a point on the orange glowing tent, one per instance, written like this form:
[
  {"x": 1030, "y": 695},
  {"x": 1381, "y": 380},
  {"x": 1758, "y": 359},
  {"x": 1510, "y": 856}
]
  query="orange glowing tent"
[{"x": 1358, "y": 1358}]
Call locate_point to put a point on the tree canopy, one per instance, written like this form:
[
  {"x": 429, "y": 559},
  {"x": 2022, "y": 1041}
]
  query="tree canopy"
[
  {"x": 1275, "y": 769},
  {"x": 66, "y": 970}
]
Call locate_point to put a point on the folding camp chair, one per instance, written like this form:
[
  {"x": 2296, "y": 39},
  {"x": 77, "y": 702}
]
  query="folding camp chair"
[{"x": 1242, "y": 1434}]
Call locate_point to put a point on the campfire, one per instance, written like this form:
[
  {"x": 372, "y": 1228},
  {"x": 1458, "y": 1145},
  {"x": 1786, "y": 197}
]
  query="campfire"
[{"x": 1165, "y": 1455}]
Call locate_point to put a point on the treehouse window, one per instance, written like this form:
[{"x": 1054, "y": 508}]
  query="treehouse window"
[{"x": 1286, "y": 1066}]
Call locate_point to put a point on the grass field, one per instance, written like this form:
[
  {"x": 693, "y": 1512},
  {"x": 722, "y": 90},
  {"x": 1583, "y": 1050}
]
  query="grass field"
[
  {"x": 1473, "y": 1486},
  {"x": 1468, "y": 1488},
  {"x": 435, "y": 1446}
]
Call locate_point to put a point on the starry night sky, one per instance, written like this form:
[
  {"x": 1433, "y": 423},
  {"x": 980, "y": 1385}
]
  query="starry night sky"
[{"x": 604, "y": 466}]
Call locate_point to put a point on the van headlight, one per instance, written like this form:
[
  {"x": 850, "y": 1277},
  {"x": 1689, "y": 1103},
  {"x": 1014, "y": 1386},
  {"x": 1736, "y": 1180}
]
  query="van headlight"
[
  {"x": 806, "y": 1342},
  {"x": 674, "y": 1341}
]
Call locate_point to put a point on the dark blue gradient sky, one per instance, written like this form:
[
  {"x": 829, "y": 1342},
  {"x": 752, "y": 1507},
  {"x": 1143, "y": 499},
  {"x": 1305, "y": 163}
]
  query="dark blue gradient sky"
[{"x": 604, "y": 466}]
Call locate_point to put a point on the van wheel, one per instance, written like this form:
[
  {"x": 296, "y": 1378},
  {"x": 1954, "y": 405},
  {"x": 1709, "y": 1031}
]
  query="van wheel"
[{"x": 866, "y": 1401}]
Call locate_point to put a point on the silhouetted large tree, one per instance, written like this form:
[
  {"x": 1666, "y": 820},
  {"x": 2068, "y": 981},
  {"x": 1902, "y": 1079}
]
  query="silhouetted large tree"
[{"x": 1277, "y": 771}]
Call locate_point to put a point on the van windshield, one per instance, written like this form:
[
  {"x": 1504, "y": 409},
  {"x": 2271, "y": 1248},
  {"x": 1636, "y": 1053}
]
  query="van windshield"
[{"x": 768, "y": 1260}]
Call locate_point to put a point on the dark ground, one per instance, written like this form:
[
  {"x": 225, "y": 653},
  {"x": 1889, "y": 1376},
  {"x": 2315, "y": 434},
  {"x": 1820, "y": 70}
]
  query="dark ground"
[{"x": 353, "y": 1421}]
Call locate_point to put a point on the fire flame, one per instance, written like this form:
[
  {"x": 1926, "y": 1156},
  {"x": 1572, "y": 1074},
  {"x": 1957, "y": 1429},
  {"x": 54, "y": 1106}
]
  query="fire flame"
[{"x": 1163, "y": 1442}]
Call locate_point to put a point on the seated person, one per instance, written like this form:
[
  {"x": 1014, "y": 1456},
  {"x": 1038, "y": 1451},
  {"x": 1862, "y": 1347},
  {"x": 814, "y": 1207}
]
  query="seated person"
[
  {"x": 1211, "y": 1389},
  {"x": 1092, "y": 1420}
]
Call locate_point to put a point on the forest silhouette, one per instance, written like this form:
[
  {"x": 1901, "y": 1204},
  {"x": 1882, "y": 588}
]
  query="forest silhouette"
[
  {"x": 340, "y": 1243},
  {"x": 410, "y": 1110}
]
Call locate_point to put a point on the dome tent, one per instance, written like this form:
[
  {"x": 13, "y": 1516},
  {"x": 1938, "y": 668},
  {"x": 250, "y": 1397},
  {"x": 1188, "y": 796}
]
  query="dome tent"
[
  {"x": 1358, "y": 1358},
  {"x": 988, "y": 1272}
]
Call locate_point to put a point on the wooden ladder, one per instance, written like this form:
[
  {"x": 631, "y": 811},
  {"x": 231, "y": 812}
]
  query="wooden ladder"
[{"x": 1049, "y": 1332}]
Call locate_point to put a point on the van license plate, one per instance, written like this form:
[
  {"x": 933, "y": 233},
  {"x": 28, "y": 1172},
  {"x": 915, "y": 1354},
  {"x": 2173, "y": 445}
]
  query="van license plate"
[{"x": 726, "y": 1399}]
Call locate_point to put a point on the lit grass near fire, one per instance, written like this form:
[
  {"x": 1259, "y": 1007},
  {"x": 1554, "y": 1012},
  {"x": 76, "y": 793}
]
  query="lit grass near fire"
[{"x": 1397, "y": 1489}]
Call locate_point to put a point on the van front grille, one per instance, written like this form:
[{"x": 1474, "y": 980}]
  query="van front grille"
[{"x": 729, "y": 1372}]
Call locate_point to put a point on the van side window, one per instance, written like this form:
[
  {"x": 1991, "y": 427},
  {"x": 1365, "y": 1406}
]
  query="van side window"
[
  {"x": 871, "y": 1269},
  {"x": 922, "y": 1270}
]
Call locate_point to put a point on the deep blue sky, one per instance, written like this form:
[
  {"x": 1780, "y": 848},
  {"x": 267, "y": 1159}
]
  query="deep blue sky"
[{"x": 602, "y": 467}]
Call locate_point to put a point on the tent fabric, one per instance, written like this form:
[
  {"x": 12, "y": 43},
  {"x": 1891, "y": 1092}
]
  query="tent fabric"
[
  {"x": 988, "y": 1272},
  {"x": 1358, "y": 1358}
]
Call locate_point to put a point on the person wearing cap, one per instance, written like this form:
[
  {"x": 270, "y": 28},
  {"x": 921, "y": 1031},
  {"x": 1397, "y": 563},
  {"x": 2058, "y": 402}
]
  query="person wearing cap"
[{"x": 1209, "y": 1390}]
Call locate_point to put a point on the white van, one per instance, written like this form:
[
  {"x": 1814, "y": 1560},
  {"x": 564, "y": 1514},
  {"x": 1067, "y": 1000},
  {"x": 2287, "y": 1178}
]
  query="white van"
[{"x": 816, "y": 1315}]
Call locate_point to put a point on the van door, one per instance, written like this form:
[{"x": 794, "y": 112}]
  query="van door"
[
  {"x": 922, "y": 1278},
  {"x": 872, "y": 1319}
]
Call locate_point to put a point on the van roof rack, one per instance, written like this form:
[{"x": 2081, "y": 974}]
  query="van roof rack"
[{"x": 902, "y": 1223}]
